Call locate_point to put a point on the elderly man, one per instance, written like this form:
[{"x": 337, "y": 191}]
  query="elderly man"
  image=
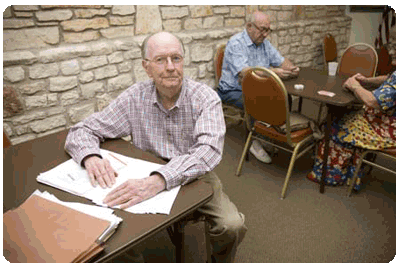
[
  {"x": 177, "y": 119},
  {"x": 247, "y": 49}
]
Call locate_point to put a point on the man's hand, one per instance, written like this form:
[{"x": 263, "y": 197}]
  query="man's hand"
[
  {"x": 282, "y": 73},
  {"x": 100, "y": 171},
  {"x": 135, "y": 191}
]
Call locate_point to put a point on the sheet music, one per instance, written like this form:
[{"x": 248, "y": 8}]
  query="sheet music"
[{"x": 71, "y": 177}]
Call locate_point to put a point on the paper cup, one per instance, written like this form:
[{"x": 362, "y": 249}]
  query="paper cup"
[{"x": 332, "y": 67}]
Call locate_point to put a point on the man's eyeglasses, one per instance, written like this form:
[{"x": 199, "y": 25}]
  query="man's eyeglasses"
[
  {"x": 262, "y": 30},
  {"x": 163, "y": 60}
]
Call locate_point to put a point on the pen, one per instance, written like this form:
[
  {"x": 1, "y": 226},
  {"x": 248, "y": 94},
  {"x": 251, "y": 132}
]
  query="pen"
[{"x": 118, "y": 159}]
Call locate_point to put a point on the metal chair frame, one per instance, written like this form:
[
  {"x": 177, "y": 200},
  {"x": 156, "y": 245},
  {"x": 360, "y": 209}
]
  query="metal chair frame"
[
  {"x": 363, "y": 160},
  {"x": 295, "y": 147}
]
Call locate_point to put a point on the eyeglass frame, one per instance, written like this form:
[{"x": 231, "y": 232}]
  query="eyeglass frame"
[
  {"x": 262, "y": 31},
  {"x": 165, "y": 58}
]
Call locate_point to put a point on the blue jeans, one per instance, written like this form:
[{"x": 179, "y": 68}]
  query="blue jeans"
[{"x": 233, "y": 97}]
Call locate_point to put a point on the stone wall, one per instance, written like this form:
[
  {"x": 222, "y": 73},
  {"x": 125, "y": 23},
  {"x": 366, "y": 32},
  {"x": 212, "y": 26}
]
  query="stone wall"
[{"x": 63, "y": 63}]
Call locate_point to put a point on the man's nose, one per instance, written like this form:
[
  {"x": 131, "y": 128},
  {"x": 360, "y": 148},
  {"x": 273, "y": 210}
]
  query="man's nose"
[{"x": 169, "y": 64}]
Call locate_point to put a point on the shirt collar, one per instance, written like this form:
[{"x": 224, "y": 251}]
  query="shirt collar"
[
  {"x": 178, "y": 103},
  {"x": 247, "y": 38}
]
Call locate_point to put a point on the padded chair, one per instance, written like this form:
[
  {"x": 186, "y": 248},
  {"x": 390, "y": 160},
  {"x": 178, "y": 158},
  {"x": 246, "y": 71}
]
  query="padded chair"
[
  {"x": 387, "y": 153},
  {"x": 329, "y": 49},
  {"x": 358, "y": 58},
  {"x": 266, "y": 101},
  {"x": 230, "y": 111}
]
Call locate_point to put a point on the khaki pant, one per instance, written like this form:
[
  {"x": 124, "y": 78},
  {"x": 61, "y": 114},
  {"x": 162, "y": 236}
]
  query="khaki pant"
[
  {"x": 226, "y": 224},
  {"x": 227, "y": 228}
]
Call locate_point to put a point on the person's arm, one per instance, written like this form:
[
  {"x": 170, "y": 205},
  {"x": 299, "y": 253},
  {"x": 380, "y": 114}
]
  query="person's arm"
[
  {"x": 371, "y": 82},
  {"x": 366, "y": 96},
  {"x": 83, "y": 140},
  {"x": 286, "y": 70},
  {"x": 206, "y": 152}
]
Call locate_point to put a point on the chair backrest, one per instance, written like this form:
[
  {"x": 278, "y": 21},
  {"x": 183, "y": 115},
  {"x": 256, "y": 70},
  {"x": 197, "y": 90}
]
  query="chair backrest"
[
  {"x": 218, "y": 60},
  {"x": 358, "y": 58},
  {"x": 265, "y": 97},
  {"x": 329, "y": 49}
]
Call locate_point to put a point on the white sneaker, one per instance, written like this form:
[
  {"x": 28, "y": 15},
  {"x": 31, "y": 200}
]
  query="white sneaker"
[{"x": 258, "y": 151}]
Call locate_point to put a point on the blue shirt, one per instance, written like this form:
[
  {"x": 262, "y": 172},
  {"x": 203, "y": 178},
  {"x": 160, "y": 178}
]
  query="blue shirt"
[{"x": 241, "y": 52}]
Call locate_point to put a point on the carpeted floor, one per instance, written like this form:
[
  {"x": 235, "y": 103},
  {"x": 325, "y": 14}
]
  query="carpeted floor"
[
  {"x": 308, "y": 226},
  {"x": 305, "y": 227}
]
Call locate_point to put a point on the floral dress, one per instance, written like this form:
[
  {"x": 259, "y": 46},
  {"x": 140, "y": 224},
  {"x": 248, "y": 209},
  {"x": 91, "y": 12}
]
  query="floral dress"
[{"x": 368, "y": 128}]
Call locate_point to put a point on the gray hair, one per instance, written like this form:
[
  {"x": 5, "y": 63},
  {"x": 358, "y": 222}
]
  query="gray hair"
[{"x": 144, "y": 50}]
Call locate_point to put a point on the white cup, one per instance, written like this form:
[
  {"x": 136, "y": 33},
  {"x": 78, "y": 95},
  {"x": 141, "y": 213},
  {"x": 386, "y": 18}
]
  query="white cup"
[{"x": 332, "y": 66}]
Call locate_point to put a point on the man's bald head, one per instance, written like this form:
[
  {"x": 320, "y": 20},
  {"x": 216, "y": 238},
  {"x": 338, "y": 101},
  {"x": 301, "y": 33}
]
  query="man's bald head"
[{"x": 158, "y": 38}]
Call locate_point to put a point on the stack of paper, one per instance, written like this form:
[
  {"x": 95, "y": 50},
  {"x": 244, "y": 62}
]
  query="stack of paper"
[
  {"x": 45, "y": 229},
  {"x": 71, "y": 177}
]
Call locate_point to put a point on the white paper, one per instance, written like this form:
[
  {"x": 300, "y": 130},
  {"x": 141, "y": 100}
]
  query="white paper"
[{"x": 71, "y": 177}]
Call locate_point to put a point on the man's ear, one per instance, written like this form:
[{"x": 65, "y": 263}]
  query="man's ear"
[{"x": 146, "y": 67}]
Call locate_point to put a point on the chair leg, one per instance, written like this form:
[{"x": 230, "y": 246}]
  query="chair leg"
[
  {"x": 353, "y": 179},
  {"x": 245, "y": 149},
  {"x": 290, "y": 169}
]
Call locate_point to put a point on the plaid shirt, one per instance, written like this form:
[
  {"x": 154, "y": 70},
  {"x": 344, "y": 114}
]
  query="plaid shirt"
[
  {"x": 190, "y": 134},
  {"x": 241, "y": 52}
]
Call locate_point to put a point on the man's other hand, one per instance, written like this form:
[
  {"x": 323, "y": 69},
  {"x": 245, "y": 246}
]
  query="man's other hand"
[
  {"x": 134, "y": 191},
  {"x": 100, "y": 171}
]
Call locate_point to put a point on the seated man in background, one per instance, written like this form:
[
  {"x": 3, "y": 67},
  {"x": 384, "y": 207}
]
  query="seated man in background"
[
  {"x": 177, "y": 119},
  {"x": 247, "y": 49}
]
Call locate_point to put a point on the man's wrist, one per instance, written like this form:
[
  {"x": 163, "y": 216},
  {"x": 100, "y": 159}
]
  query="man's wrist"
[{"x": 158, "y": 181}]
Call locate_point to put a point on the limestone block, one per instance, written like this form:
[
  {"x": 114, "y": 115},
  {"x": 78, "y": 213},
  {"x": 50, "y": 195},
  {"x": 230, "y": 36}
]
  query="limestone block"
[
  {"x": 133, "y": 54},
  {"x": 191, "y": 72},
  {"x": 201, "y": 52},
  {"x": 105, "y": 72},
  {"x": 221, "y": 10},
  {"x": 18, "y": 57},
  {"x": 148, "y": 20},
  {"x": 237, "y": 11},
  {"x": 7, "y": 13},
  {"x": 64, "y": 53},
  {"x": 93, "y": 62},
  {"x": 90, "y": 90},
  {"x": 172, "y": 25},
  {"x": 124, "y": 44},
  {"x": 101, "y": 48},
  {"x": 25, "y": 7},
  {"x": 123, "y": 10},
  {"x": 138, "y": 70},
  {"x": 202, "y": 70},
  {"x": 32, "y": 102},
  {"x": 29, "y": 117},
  {"x": 116, "y": 57},
  {"x": 81, "y": 37},
  {"x": 116, "y": 20},
  {"x": 17, "y": 23},
  {"x": 200, "y": 11},
  {"x": 33, "y": 87},
  {"x": 234, "y": 22},
  {"x": 48, "y": 123},
  {"x": 86, "y": 77},
  {"x": 117, "y": 32},
  {"x": 103, "y": 101},
  {"x": 193, "y": 24},
  {"x": 124, "y": 67},
  {"x": 70, "y": 67},
  {"x": 13, "y": 74},
  {"x": 69, "y": 97},
  {"x": 213, "y": 22},
  {"x": 58, "y": 84},
  {"x": 79, "y": 25},
  {"x": 30, "y": 38},
  {"x": 90, "y": 13},
  {"x": 57, "y": 15},
  {"x": 38, "y": 71},
  {"x": 77, "y": 114},
  {"x": 120, "y": 82},
  {"x": 174, "y": 12}
]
